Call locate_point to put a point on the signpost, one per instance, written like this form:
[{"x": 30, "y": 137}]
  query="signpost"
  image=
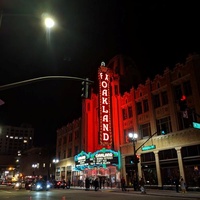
[
  {"x": 145, "y": 148},
  {"x": 196, "y": 125}
]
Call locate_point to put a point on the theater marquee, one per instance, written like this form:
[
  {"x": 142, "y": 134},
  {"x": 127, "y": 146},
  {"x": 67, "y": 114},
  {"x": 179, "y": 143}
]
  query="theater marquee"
[
  {"x": 105, "y": 136},
  {"x": 101, "y": 158}
]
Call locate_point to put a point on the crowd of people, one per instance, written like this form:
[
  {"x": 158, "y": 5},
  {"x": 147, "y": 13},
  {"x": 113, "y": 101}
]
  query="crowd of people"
[{"x": 97, "y": 183}]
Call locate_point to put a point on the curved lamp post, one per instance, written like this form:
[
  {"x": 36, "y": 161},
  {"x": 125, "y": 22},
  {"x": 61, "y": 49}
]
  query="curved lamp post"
[
  {"x": 48, "y": 21},
  {"x": 133, "y": 137}
]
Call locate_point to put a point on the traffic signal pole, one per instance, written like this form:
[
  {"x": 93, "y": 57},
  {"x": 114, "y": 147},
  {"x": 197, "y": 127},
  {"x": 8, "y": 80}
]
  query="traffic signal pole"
[
  {"x": 29, "y": 81},
  {"x": 145, "y": 141},
  {"x": 135, "y": 175}
]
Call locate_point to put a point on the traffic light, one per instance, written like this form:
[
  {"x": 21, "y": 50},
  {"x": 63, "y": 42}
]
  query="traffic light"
[
  {"x": 183, "y": 103},
  {"x": 85, "y": 89},
  {"x": 137, "y": 159}
]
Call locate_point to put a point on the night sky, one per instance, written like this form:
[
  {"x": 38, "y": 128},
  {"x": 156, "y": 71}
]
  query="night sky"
[{"x": 155, "y": 34}]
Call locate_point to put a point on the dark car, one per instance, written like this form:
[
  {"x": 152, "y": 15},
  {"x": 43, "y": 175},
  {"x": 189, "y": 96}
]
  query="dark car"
[
  {"x": 60, "y": 184},
  {"x": 28, "y": 185},
  {"x": 63, "y": 184},
  {"x": 39, "y": 185},
  {"x": 57, "y": 184}
]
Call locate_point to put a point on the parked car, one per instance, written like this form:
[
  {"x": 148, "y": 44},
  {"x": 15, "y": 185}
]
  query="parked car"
[
  {"x": 19, "y": 185},
  {"x": 39, "y": 185},
  {"x": 28, "y": 185},
  {"x": 60, "y": 184},
  {"x": 63, "y": 184}
]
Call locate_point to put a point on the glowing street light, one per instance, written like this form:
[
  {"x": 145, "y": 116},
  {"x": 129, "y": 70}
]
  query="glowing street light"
[
  {"x": 49, "y": 22},
  {"x": 34, "y": 166},
  {"x": 55, "y": 161}
]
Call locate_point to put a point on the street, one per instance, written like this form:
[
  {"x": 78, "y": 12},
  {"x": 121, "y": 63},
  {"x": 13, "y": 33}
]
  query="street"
[{"x": 72, "y": 194}]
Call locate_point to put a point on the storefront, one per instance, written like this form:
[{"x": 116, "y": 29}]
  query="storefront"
[{"x": 104, "y": 164}]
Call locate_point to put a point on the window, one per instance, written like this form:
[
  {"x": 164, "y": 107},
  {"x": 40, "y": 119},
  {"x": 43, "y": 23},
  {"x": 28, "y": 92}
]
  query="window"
[
  {"x": 177, "y": 92},
  {"x": 130, "y": 112},
  {"x": 70, "y": 137},
  {"x": 126, "y": 132},
  {"x": 124, "y": 113},
  {"x": 125, "y": 137},
  {"x": 76, "y": 134},
  {"x": 187, "y": 88},
  {"x": 167, "y": 154},
  {"x": 59, "y": 142},
  {"x": 65, "y": 140},
  {"x": 146, "y": 105},
  {"x": 164, "y": 98},
  {"x": 164, "y": 126},
  {"x": 156, "y": 101},
  {"x": 145, "y": 130},
  {"x": 64, "y": 154},
  {"x": 70, "y": 152},
  {"x": 139, "y": 107},
  {"x": 76, "y": 150}
]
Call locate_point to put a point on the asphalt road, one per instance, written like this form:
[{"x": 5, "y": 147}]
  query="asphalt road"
[{"x": 7, "y": 193}]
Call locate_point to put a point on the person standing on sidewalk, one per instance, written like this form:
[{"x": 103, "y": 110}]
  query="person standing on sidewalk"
[
  {"x": 96, "y": 184},
  {"x": 183, "y": 185},
  {"x": 141, "y": 184},
  {"x": 176, "y": 181},
  {"x": 123, "y": 184}
]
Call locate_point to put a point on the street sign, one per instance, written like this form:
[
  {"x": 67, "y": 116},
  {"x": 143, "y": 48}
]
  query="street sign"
[
  {"x": 196, "y": 125},
  {"x": 145, "y": 148}
]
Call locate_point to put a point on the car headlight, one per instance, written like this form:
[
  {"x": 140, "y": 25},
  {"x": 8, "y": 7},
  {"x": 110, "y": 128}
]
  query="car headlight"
[
  {"x": 48, "y": 185},
  {"x": 38, "y": 186},
  {"x": 17, "y": 184}
]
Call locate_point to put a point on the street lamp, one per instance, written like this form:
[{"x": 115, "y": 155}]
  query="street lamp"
[
  {"x": 55, "y": 161},
  {"x": 34, "y": 166},
  {"x": 49, "y": 22},
  {"x": 133, "y": 137}
]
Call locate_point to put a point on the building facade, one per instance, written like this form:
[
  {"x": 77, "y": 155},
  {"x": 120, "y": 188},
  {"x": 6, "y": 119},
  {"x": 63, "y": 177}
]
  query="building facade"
[
  {"x": 13, "y": 141},
  {"x": 168, "y": 145}
]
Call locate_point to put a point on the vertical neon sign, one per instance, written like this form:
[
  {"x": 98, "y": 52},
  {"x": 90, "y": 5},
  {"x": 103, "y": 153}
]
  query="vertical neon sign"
[{"x": 104, "y": 106}]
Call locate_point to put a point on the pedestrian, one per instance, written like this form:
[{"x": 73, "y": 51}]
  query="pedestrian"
[
  {"x": 96, "y": 184},
  {"x": 176, "y": 181},
  {"x": 123, "y": 184},
  {"x": 142, "y": 186},
  {"x": 103, "y": 182},
  {"x": 87, "y": 184},
  {"x": 68, "y": 184},
  {"x": 183, "y": 185}
]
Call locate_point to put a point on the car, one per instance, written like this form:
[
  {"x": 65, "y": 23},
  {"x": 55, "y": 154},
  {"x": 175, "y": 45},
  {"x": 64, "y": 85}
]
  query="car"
[
  {"x": 19, "y": 185},
  {"x": 60, "y": 184},
  {"x": 39, "y": 185},
  {"x": 63, "y": 184},
  {"x": 57, "y": 184},
  {"x": 28, "y": 185}
]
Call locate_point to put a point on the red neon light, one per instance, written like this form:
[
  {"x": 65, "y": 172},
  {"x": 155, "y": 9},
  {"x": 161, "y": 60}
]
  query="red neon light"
[{"x": 104, "y": 108}]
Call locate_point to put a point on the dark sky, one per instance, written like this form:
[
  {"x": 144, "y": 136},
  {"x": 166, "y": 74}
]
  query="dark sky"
[{"x": 155, "y": 34}]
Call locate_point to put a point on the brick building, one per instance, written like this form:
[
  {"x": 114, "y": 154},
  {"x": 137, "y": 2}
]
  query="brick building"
[{"x": 168, "y": 145}]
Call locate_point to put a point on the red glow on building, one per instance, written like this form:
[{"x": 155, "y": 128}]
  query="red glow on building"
[{"x": 105, "y": 135}]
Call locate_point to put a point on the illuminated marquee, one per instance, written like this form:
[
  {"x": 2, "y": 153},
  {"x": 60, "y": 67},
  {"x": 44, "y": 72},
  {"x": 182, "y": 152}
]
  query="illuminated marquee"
[
  {"x": 104, "y": 108},
  {"x": 101, "y": 158}
]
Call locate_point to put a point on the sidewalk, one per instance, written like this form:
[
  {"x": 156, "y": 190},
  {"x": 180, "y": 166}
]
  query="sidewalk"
[{"x": 154, "y": 192}]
